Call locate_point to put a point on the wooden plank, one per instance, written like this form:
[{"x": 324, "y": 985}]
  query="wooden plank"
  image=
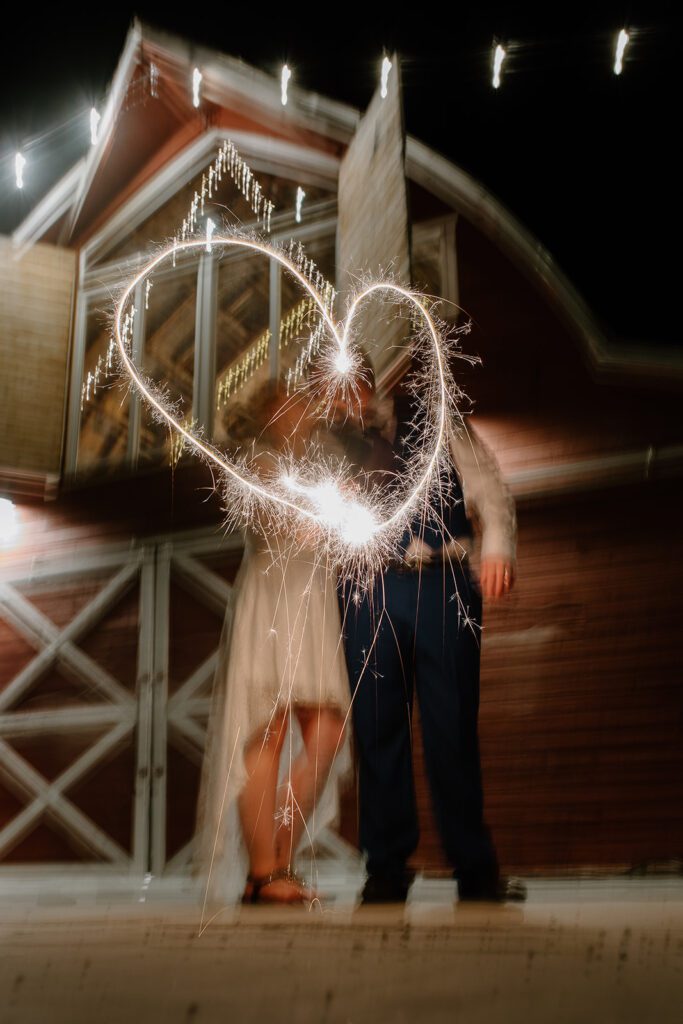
[{"x": 36, "y": 295}]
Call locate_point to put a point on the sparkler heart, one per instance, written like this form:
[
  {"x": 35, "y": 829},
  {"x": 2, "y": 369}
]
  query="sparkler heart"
[{"x": 353, "y": 524}]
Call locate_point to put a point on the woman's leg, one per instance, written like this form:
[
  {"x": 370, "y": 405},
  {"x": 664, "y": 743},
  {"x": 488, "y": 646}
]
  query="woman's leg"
[
  {"x": 257, "y": 809},
  {"x": 322, "y": 731}
]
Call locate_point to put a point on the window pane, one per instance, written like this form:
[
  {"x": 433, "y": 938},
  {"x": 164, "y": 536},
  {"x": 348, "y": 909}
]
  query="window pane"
[
  {"x": 227, "y": 205},
  {"x": 104, "y": 405},
  {"x": 242, "y": 328},
  {"x": 300, "y": 317},
  {"x": 168, "y": 356}
]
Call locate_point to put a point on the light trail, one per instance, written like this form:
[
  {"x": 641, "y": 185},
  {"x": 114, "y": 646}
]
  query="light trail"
[{"x": 356, "y": 529}]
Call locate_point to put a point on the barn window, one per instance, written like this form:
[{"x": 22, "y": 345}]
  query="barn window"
[{"x": 213, "y": 325}]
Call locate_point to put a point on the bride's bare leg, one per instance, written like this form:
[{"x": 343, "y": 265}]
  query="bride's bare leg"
[
  {"x": 322, "y": 730},
  {"x": 257, "y": 799},
  {"x": 257, "y": 810}
]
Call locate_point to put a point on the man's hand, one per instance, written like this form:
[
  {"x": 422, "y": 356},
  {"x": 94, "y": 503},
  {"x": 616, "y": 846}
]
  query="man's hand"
[
  {"x": 418, "y": 552},
  {"x": 496, "y": 577}
]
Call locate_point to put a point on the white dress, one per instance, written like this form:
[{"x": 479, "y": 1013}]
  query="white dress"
[{"x": 281, "y": 646}]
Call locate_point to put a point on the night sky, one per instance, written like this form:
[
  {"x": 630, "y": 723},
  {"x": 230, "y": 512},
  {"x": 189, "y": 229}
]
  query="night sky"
[{"x": 589, "y": 161}]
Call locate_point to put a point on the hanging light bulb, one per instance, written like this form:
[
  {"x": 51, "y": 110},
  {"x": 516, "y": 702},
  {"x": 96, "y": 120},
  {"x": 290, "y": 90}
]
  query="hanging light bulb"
[
  {"x": 300, "y": 196},
  {"x": 19, "y": 164},
  {"x": 499, "y": 55},
  {"x": 284, "y": 81},
  {"x": 622, "y": 43},
  {"x": 386, "y": 68},
  {"x": 196, "y": 82},
  {"x": 95, "y": 119}
]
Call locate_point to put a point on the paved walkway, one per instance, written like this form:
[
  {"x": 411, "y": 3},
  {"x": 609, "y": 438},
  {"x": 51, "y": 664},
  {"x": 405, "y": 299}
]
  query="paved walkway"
[{"x": 575, "y": 952}]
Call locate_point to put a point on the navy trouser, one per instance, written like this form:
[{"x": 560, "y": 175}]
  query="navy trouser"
[{"x": 412, "y": 629}]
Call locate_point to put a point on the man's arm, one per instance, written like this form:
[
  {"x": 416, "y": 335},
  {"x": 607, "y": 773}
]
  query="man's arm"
[{"x": 486, "y": 493}]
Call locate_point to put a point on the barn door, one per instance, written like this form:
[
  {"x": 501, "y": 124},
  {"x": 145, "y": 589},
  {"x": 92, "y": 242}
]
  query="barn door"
[
  {"x": 193, "y": 579},
  {"x": 106, "y": 667},
  {"x": 76, "y": 665}
]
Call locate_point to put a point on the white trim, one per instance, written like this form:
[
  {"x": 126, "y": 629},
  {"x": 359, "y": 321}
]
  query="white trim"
[
  {"x": 48, "y": 797},
  {"x": 440, "y": 231},
  {"x": 159, "y": 782},
  {"x": 273, "y": 155},
  {"x": 222, "y": 73},
  {"x": 117, "y": 91},
  {"x": 73, "y": 397},
  {"x": 59, "y": 646}
]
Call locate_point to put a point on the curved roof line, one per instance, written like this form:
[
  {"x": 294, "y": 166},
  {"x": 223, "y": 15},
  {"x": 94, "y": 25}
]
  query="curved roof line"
[
  {"x": 424, "y": 165},
  {"x": 465, "y": 194}
]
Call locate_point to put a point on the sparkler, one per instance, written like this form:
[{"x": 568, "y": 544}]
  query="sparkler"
[{"x": 317, "y": 497}]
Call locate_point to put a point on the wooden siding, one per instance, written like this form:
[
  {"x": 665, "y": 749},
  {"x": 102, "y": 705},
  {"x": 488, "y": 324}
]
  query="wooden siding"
[
  {"x": 581, "y": 712},
  {"x": 36, "y": 291}
]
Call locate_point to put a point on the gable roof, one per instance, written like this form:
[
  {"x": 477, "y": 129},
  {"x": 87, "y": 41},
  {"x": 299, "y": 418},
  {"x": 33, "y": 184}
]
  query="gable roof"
[{"x": 236, "y": 95}]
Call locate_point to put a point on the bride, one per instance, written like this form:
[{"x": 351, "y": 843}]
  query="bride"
[{"x": 277, "y": 747}]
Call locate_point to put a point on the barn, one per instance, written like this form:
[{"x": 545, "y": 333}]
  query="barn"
[{"x": 114, "y": 569}]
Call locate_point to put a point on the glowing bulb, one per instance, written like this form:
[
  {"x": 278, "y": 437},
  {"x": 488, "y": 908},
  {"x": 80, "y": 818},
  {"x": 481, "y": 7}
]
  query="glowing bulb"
[
  {"x": 622, "y": 42},
  {"x": 19, "y": 164},
  {"x": 386, "y": 68},
  {"x": 300, "y": 196},
  {"x": 499, "y": 56},
  {"x": 95, "y": 119},
  {"x": 196, "y": 82},
  {"x": 284, "y": 80},
  {"x": 9, "y": 522}
]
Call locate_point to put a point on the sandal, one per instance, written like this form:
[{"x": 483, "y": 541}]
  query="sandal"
[{"x": 255, "y": 884}]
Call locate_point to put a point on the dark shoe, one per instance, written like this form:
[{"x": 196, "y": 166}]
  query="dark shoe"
[
  {"x": 499, "y": 890},
  {"x": 387, "y": 888}
]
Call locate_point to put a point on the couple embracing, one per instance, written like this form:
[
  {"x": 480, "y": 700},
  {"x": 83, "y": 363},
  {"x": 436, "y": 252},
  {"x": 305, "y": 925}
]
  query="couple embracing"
[{"x": 309, "y": 669}]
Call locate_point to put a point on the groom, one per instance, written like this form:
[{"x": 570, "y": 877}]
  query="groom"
[{"x": 419, "y": 628}]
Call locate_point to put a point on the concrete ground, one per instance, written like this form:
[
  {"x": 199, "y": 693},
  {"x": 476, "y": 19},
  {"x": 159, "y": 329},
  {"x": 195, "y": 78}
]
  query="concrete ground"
[{"x": 577, "y": 951}]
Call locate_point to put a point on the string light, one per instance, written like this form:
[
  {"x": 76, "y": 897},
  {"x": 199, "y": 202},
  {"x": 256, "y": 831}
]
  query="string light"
[
  {"x": 196, "y": 82},
  {"x": 386, "y": 68},
  {"x": 622, "y": 43},
  {"x": 499, "y": 55},
  {"x": 153, "y": 79},
  {"x": 229, "y": 162},
  {"x": 284, "y": 81},
  {"x": 300, "y": 196},
  {"x": 95, "y": 119},
  {"x": 19, "y": 164}
]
